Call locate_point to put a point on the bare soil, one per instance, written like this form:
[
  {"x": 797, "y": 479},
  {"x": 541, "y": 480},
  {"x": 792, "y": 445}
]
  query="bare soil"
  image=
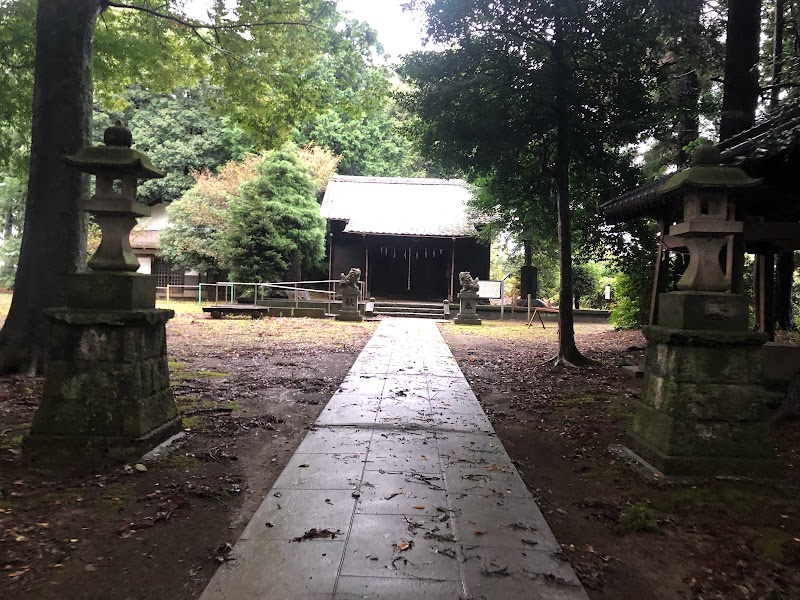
[{"x": 248, "y": 391}]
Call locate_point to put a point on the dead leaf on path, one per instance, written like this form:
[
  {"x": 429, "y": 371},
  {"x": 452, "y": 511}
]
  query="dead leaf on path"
[
  {"x": 390, "y": 496},
  {"x": 304, "y": 465},
  {"x": 403, "y": 546},
  {"x": 317, "y": 534},
  {"x": 420, "y": 507},
  {"x": 480, "y": 531},
  {"x": 499, "y": 572}
]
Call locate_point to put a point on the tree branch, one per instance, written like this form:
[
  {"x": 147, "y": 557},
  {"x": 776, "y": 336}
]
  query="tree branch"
[{"x": 195, "y": 25}]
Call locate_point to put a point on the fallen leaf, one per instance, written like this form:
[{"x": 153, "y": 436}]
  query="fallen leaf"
[
  {"x": 403, "y": 546},
  {"x": 420, "y": 507},
  {"x": 479, "y": 532}
]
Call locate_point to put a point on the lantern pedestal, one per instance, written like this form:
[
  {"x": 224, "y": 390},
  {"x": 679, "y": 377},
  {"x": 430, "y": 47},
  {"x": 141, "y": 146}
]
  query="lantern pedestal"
[
  {"x": 110, "y": 290},
  {"x": 704, "y": 408},
  {"x": 703, "y": 311},
  {"x": 468, "y": 309},
  {"x": 106, "y": 382}
]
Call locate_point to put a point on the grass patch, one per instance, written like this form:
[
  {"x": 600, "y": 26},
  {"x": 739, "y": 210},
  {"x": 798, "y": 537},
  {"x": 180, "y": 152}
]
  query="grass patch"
[
  {"x": 638, "y": 517},
  {"x": 694, "y": 499},
  {"x": 519, "y": 330},
  {"x": 181, "y": 307},
  {"x": 192, "y": 422},
  {"x": 176, "y": 365},
  {"x": 181, "y": 462},
  {"x": 770, "y": 541}
]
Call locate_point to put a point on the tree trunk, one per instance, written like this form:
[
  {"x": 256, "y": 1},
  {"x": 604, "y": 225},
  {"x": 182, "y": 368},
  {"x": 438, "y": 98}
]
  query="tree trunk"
[
  {"x": 740, "y": 94},
  {"x": 784, "y": 267},
  {"x": 567, "y": 350},
  {"x": 53, "y": 242},
  {"x": 784, "y": 278},
  {"x": 777, "y": 55},
  {"x": 686, "y": 85},
  {"x": 295, "y": 270}
]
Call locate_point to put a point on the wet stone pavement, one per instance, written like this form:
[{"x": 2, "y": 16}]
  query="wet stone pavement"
[{"x": 401, "y": 490}]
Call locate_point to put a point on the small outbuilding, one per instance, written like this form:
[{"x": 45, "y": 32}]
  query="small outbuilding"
[{"x": 410, "y": 237}]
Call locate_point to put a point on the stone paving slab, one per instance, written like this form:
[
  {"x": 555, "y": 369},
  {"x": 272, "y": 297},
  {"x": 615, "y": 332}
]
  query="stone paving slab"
[{"x": 401, "y": 490}]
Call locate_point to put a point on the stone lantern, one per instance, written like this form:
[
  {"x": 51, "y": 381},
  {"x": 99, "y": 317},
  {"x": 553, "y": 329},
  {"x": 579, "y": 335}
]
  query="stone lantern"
[
  {"x": 106, "y": 376},
  {"x": 708, "y": 225},
  {"x": 704, "y": 407}
]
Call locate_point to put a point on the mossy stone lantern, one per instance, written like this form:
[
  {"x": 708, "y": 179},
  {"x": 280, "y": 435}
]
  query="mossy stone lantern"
[
  {"x": 106, "y": 377},
  {"x": 117, "y": 168},
  {"x": 704, "y": 404},
  {"x": 706, "y": 297}
]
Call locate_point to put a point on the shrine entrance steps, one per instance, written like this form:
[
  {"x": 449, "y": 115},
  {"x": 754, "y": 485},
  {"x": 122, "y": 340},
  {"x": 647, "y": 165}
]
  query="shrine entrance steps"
[
  {"x": 416, "y": 310},
  {"x": 401, "y": 490}
]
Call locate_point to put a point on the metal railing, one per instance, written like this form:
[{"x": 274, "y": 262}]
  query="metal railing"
[{"x": 293, "y": 289}]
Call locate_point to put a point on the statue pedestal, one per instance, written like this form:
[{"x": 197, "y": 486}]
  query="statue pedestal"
[
  {"x": 704, "y": 409},
  {"x": 349, "y": 311},
  {"x": 106, "y": 378},
  {"x": 468, "y": 309}
]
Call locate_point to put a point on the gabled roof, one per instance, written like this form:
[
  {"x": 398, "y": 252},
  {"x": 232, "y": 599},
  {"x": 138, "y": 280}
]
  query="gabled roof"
[
  {"x": 400, "y": 206},
  {"x": 771, "y": 150}
]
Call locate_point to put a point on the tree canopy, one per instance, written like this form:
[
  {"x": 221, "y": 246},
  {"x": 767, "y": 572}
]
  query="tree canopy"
[{"x": 537, "y": 99}]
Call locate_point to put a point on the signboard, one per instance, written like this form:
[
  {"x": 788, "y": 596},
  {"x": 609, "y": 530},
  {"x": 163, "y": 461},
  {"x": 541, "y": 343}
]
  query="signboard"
[{"x": 490, "y": 289}]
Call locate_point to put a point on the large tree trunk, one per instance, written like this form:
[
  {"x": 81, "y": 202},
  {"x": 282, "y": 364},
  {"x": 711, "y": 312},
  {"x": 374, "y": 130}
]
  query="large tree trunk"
[
  {"x": 784, "y": 278},
  {"x": 686, "y": 85},
  {"x": 567, "y": 350},
  {"x": 784, "y": 265},
  {"x": 53, "y": 242},
  {"x": 740, "y": 94}
]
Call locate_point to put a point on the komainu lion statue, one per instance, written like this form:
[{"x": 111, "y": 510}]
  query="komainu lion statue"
[
  {"x": 468, "y": 282},
  {"x": 351, "y": 279}
]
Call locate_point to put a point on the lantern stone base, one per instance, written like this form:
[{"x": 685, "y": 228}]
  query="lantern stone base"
[
  {"x": 468, "y": 309},
  {"x": 349, "y": 311},
  {"x": 106, "y": 383},
  {"x": 704, "y": 408},
  {"x": 112, "y": 290},
  {"x": 703, "y": 311}
]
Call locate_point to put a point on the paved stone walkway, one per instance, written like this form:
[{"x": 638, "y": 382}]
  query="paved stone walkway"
[{"x": 418, "y": 496}]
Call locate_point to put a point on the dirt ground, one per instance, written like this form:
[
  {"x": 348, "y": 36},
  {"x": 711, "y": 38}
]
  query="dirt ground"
[{"x": 248, "y": 390}]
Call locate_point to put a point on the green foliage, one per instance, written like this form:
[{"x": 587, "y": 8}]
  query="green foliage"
[
  {"x": 626, "y": 312},
  {"x": 584, "y": 282},
  {"x": 199, "y": 219},
  {"x": 180, "y": 135},
  {"x": 633, "y": 251},
  {"x": 12, "y": 211},
  {"x": 253, "y": 218},
  {"x": 638, "y": 517},
  {"x": 371, "y": 145},
  {"x": 9, "y": 259},
  {"x": 274, "y": 217}
]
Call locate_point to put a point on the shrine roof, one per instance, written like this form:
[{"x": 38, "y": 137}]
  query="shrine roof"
[
  {"x": 769, "y": 150},
  {"x": 400, "y": 206}
]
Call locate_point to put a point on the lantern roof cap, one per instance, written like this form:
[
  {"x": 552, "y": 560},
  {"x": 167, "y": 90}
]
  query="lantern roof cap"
[
  {"x": 707, "y": 172},
  {"x": 116, "y": 156}
]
